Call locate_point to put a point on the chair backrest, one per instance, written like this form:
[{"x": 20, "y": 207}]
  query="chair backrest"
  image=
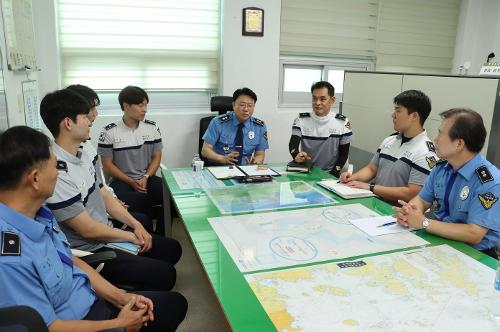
[
  {"x": 21, "y": 318},
  {"x": 219, "y": 104}
]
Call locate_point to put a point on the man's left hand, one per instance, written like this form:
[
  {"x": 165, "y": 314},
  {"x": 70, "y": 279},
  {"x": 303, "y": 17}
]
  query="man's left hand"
[
  {"x": 408, "y": 215},
  {"x": 144, "y": 237}
]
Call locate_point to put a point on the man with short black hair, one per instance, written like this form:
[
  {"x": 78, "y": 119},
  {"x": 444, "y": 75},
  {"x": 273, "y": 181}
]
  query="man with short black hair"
[
  {"x": 36, "y": 265},
  {"x": 324, "y": 136},
  {"x": 81, "y": 204},
  {"x": 237, "y": 137},
  {"x": 130, "y": 151},
  {"x": 464, "y": 184},
  {"x": 403, "y": 161}
]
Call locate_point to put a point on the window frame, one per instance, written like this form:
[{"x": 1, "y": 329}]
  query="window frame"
[{"x": 301, "y": 99}]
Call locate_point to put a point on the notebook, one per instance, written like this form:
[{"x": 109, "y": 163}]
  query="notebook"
[
  {"x": 299, "y": 167},
  {"x": 345, "y": 191},
  {"x": 129, "y": 247}
]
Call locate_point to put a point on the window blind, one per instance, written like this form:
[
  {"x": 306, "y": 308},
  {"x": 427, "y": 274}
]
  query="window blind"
[
  {"x": 339, "y": 28},
  {"x": 155, "y": 44}
]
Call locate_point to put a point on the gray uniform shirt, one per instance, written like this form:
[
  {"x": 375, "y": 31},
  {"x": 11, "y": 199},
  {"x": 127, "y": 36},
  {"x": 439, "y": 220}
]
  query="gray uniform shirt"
[
  {"x": 77, "y": 190},
  {"x": 131, "y": 149},
  {"x": 400, "y": 161},
  {"x": 321, "y": 137}
]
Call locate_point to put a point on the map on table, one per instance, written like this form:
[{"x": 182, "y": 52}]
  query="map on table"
[
  {"x": 284, "y": 238},
  {"x": 431, "y": 289},
  {"x": 187, "y": 179},
  {"x": 266, "y": 196}
]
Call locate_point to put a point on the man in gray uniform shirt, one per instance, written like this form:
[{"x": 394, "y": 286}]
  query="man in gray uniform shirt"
[
  {"x": 80, "y": 203},
  {"x": 130, "y": 151},
  {"x": 403, "y": 161},
  {"x": 323, "y": 135}
]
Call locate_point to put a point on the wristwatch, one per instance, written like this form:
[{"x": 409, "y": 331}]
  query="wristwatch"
[
  {"x": 146, "y": 176},
  {"x": 425, "y": 223},
  {"x": 372, "y": 186}
]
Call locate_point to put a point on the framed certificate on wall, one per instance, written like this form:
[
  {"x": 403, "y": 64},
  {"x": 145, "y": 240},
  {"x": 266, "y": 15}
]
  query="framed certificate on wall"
[{"x": 253, "y": 22}]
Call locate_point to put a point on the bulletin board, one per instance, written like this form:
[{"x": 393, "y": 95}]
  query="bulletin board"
[{"x": 19, "y": 34}]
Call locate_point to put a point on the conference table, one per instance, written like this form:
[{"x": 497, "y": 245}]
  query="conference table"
[{"x": 238, "y": 303}]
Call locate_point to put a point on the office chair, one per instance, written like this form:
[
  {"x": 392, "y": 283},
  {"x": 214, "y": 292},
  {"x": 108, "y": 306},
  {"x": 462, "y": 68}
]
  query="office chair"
[
  {"x": 21, "y": 318},
  {"x": 221, "y": 105}
]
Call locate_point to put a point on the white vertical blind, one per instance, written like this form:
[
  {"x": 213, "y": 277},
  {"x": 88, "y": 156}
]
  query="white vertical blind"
[
  {"x": 417, "y": 34},
  {"x": 343, "y": 28},
  {"x": 155, "y": 44},
  {"x": 404, "y": 35}
]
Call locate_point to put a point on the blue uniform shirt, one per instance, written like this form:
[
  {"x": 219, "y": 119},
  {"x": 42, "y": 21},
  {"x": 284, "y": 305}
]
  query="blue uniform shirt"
[
  {"x": 221, "y": 133},
  {"x": 38, "y": 271},
  {"x": 472, "y": 194}
]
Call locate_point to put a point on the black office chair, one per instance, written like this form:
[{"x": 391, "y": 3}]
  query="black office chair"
[
  {"x": 221, "y": 105},
  {"x": 21, "y": 319}
]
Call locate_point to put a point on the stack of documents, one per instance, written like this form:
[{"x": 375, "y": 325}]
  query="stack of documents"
[
  {"x": 345, "y": 191},
  {"x": 376, "y": 226}
]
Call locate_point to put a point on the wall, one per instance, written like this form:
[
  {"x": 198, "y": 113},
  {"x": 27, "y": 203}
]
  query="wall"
[{"x": 478, "y": 34}]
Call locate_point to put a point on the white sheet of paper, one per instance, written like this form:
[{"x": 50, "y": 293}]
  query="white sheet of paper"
[
  {"x": 225, "y": 172},
  {"x": 373, "y": 225},
  {"x": 344, "y": 190}
]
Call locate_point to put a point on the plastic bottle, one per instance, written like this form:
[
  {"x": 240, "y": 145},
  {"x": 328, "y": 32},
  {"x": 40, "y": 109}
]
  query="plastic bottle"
[{"x": 197, "y": 163}]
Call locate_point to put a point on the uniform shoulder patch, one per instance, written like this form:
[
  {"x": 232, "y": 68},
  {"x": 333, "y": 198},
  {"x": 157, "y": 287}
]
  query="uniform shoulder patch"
[
  {"x": 431, "y": 161},
  {"x": 258, "y": 122},
  {"x": 305, "y": 115},
  {"x": 151, "y": 122},
  {"x": 224, "y": 118},
  {"x": 340, "y": 116},
  {"x": 487, "y": 200},
  {"x": 484, "y": 174},
  {"x": 62, "y": 166},
  {"x": 348, "y": 125},
  {"x": 430, "y": 146},
  {"x": 111, "y": 125},
  {"x": 11, "y": 245}
]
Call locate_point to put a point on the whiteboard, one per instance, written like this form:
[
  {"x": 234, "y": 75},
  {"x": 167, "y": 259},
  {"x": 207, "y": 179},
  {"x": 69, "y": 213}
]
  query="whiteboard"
[{"x": 19, "y": 34}]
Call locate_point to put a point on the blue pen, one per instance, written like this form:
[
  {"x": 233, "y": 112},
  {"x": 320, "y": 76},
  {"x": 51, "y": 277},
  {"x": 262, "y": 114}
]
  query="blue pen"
[{"x": 387, "y": 224}]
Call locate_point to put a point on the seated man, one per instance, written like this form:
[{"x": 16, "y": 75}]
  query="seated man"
[
  {"x": 237, "y": 137},
  {"x": 36, "y": 266},
  {"x": 80, "y": 203},
  {"x": 323, "y": 135},
  {"x": 130, "y": 152},
  {"x": 465, "y": 186},
  {"x": 403, "y": 161},
  {"x": 136, "y": 203}
]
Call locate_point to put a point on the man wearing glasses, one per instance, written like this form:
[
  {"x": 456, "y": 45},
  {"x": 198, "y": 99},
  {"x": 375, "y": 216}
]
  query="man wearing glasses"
[{"x": 237, "y": 137}]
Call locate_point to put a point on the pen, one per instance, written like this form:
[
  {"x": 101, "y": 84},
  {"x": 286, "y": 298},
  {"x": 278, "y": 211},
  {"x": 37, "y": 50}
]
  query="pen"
[{"x": 387, "y": 224}]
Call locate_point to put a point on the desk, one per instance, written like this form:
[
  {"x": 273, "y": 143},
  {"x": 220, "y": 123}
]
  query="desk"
[{"x": 238, "y": 302}]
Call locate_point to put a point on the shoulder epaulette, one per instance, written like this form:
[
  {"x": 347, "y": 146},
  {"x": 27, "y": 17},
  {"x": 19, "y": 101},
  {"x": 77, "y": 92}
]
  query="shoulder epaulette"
[
  {"x": 484, "y": 174},
  {"x": 305, "y": 115},
  {"x": 111, "y": 125},
  {"x": 224, "y": 118},
  {"x": 339, "y": 116},
  {"x": 62, "y": 166},
  {"x": 11, "y": 245},
  {"x": 394, "y": 134},
  {"x": 151, "y": 122},
  {"x": 258, "y": 122},
  {"x": 430, "y": 146},
  {"x": 441, "y": 161}
]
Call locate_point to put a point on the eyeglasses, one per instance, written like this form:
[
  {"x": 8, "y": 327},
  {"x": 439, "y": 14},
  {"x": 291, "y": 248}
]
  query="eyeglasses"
[{"x": 246, "y": 105}]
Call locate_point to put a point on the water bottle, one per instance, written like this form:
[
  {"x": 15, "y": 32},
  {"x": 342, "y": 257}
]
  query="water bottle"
[
  {"x": 197, "y": 163},
  {"x": 495, "y": 305}
]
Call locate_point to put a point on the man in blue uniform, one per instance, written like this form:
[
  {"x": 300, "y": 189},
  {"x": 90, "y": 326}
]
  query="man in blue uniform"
[
  {"x": 465, "y": 186},
  {"x": 36, "y": 266},
  {"x": 237, "y": 137}
]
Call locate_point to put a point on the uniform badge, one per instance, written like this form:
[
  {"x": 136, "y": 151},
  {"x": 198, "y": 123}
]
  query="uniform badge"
[
  {"x": 339, "y": 116},
  {"x": 305, "y": 115},
  {"x": 431, "y": 146},
  {"x": 61, "y": 165},
  {"x": 258, "y": 122},
  {"x": 251, "y": 134},
  {"x": 348, "y": 125},
  {"x": 101, "y": 137},
  {"x": 111, "y": 125},
  {"x": 11, "y": 246},
  {"x": 225, "y": 148},
  {"x": 464, "y": 193},
  {"x": 265, "y": 135},
  {"x": 224, "y": 118},
  {"x": 487, "y": 200},
  {"x": 431, "y": 161},
  {"x": 484, "y": 174},
  {"x": 150, "y": 122}
]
